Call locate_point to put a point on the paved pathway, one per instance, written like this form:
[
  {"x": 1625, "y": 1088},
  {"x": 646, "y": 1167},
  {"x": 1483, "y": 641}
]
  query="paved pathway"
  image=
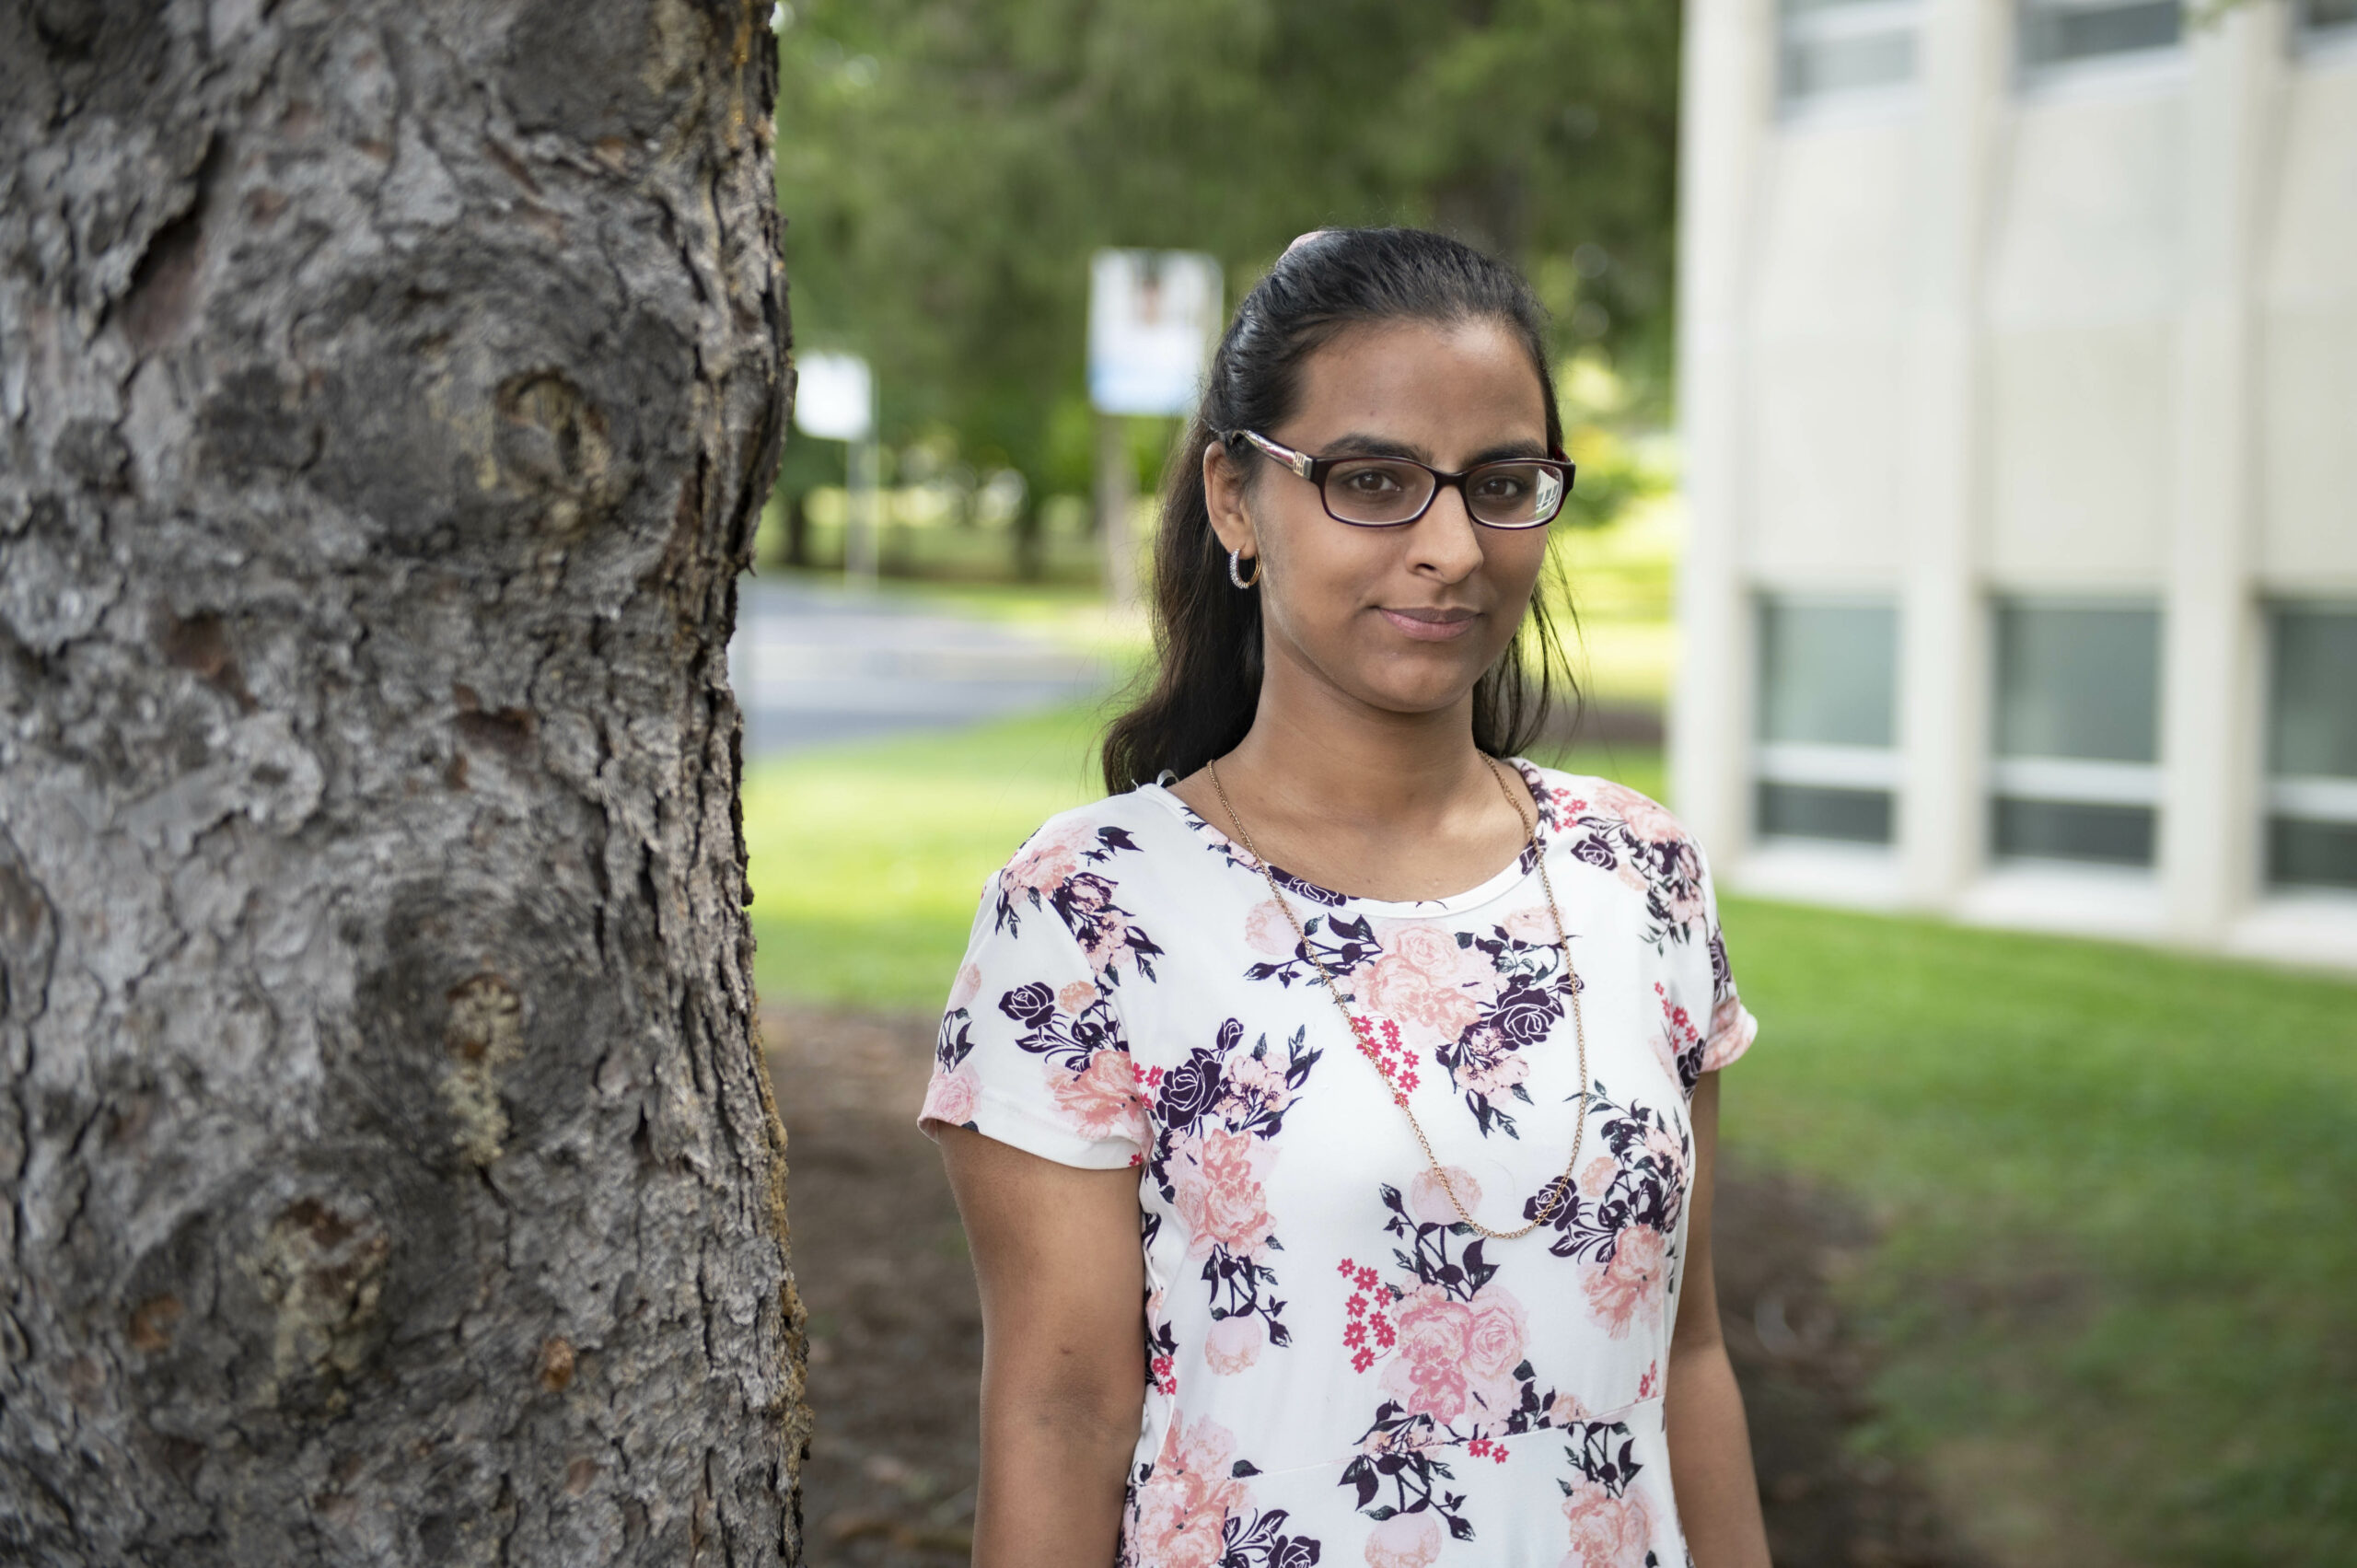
[{"x": 813, "y": 665}]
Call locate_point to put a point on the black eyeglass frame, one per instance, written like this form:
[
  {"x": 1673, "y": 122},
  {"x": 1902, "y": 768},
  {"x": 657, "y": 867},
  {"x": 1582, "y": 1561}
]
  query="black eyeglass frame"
[{"x": 1315, "y": 470}]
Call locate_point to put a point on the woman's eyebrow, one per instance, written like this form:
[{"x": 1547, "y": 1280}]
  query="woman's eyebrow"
[
  {"x": 1360, "y": 444},
  {"x": 1504, "y": 451}
]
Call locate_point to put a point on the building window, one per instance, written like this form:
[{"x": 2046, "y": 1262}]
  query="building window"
[
  {"x": 2077, "y": 775},
  {"x": 1826, "y": 764},
  {"x": 2329, "y": 20},
  {"x": 1838, "y": 46},
  {"x": 2063, "y": 32},
  {"x": 2312, "y": 747}
]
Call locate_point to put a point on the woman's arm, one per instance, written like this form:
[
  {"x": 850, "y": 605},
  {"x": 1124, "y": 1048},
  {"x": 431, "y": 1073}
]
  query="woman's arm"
[
  {"x": 1710, "y": 1451},
  {"x": 1063, "y": 1350}
]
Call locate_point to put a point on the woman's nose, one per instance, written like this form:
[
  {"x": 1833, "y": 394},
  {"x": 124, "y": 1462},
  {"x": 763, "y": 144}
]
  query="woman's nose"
[{"x": 1445, "y": 540}]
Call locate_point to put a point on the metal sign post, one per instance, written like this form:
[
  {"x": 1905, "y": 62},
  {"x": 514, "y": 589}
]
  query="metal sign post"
[{"x": 1153, "y": 319}]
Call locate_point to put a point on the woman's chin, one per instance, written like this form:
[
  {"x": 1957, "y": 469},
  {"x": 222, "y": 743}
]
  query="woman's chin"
[{"x": 1419, "y": 697}]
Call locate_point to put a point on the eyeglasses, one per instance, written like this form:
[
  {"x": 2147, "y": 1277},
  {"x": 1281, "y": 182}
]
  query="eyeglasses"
[{"x": 1388, "y": 493}]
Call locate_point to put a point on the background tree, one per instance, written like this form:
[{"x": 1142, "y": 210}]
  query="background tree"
[
  {"x": 387, "y": 391},
  {"x": 951, "y": 164}
]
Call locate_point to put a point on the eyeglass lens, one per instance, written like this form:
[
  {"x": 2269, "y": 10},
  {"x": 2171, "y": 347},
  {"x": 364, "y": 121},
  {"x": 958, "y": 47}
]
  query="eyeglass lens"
[{"x": 1378, "y": 490}]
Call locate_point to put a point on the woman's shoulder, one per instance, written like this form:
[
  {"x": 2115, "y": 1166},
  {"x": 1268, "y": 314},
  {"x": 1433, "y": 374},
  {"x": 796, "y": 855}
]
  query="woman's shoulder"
[
  {"x": 1100, "y": 836},
  {"x": 1570, "y": 801}
]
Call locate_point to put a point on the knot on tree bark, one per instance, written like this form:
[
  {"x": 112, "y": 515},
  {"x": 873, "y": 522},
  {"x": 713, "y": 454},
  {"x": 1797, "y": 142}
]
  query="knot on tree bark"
[{"x": 485, "y": 1036}]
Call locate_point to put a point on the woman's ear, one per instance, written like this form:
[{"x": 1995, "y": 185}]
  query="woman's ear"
[{"x": 1223, "y": 486}]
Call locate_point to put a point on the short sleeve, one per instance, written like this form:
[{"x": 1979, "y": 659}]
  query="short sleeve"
[
  {"x": 1732, "y": 1028},
  {"x": 1032, "y": 1050}
]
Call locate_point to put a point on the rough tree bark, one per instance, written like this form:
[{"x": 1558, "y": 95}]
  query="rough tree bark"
[{"x": 387, "y": 391}]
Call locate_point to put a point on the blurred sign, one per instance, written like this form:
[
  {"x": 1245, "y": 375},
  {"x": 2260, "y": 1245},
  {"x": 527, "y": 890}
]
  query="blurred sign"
[
  {"x": 834, "y": 396},
  {"x": 1153, "y": 317}
]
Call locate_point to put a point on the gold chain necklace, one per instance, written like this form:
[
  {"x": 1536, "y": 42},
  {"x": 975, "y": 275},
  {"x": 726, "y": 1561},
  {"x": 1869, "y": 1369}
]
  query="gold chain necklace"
[{"x": 1363, "y": 1033}]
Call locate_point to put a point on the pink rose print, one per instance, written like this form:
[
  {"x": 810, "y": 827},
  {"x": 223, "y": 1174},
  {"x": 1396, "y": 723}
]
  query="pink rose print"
[
  {"x": 951, "y": 1097},
  {"x": 969, "y": 981},
  {"x": 1251, "y": 1087},
  {"x": 1457, "y": 1358},
  {"x": 1102, "y": 1101},
  {"x": 1669, "y": 1150},
  {"x": 1731, "y": 1032},
  {"x": 1046, "y": 862},
  {"x": 1565, "y": 1409},
  {"x": 1607, "y": 1531},
  {"x": 1426, "y": 1373},
  {"x": 1534, "y": 925},
  {"x": 1428, "y": 1200},
  {"x": 1425, "y": 983},
  {"x": 1076, "y": 996},
  {"x": 1596, "y": 1175},
  {"x": 1183, "y": 1508},
  {"x": 1107, "y": 941},
  {"x": 1404, "y": 1540},
  {"x": 1220, "y": 1199},
  {"x": 1267, "y": 931},
  {"x": 1234, "y": 1344},
  {"x": 1427, "y": 949},
  {"x": 1491, "y": 1064},
  {"x": 1645, "y": 819},
  {"x": 1632, "y": 1282},
  {"x": 1496, "y": 1338}
]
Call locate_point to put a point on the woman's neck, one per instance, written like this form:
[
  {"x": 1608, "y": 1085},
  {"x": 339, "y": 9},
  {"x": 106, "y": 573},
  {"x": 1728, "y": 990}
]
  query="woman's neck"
[{"x": 1380, "y": 805}]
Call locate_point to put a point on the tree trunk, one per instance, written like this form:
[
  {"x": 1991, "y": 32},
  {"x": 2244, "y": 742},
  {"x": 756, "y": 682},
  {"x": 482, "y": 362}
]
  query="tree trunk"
[{"x": 388, "y": 393}]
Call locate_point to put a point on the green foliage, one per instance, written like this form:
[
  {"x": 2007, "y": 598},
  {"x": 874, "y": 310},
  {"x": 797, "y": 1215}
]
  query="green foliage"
[{"x": 947, "y": 167}]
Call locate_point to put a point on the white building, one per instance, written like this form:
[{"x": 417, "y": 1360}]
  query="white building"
[{"x": 2019, "y": 369}]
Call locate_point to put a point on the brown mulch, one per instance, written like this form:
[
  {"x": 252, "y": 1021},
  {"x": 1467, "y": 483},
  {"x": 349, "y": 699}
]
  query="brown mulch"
[{"x": 896, "y": 1339}]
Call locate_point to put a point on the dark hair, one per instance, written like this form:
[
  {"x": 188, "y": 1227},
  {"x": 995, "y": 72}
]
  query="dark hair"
[{"x": 1206, "y": 682}]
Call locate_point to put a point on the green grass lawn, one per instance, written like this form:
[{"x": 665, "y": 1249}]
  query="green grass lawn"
[
  {"x": 2117, "y": 1294},
  {"x": 2118, "y": 1189}
]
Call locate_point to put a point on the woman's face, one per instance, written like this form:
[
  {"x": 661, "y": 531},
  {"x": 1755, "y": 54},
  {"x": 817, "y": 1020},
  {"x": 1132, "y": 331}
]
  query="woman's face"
[{"x": 1404, "y": 620}]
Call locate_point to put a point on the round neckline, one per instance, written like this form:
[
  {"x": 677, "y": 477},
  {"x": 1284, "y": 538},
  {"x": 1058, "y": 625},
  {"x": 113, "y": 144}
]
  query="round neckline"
[{"x": 1511, "y": 875}]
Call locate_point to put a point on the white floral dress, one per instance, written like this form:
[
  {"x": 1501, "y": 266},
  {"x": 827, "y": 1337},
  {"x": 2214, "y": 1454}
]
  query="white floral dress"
[{"x": 1341, "y": 1372}]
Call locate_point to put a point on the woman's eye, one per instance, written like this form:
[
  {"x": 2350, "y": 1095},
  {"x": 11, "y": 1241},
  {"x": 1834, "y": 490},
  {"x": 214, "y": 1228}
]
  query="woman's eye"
[
  {"x": 1502, "y": 487},
  {"x": 1371, "y": 482}
]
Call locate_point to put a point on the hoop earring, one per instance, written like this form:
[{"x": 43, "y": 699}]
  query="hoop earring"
[{"x": 1235, "y": 570}]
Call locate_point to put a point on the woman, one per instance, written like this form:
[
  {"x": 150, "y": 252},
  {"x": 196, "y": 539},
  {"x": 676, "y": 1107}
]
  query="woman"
[{"x": 1357, "y": 1211}]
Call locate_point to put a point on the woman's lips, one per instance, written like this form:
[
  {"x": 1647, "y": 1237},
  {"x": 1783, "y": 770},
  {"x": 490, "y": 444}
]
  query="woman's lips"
[{"x": 1432, "y": 625}]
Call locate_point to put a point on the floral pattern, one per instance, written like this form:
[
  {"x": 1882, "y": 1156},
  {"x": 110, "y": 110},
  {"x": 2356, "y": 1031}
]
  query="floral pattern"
[
  {"x": 1625, "y": 1206},
  {"x": 1217, "y": 1115},
  {"x": 1409, "y": 1391},
  {"x": 1453, "y": 1343},
  {"x": 1470, "y": 1001},
  {"x": 1190, "y": 1506},
  {"x": 1610, "y": 1525}
]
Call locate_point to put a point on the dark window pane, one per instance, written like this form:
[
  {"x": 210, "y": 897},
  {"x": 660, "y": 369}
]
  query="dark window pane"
[
  {"x": 2322, "y": 14},
  {"x": 2078, "y": 680},
  {"x": 2049, "y": 830},
  {"x": 1797, "y": 811},
  {"x": 1827, "y": 672},
  {"x": 2315, "y": 693},
  {"x": 2054, "y": 31},
  {"x": 2311, "y": 854}
]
